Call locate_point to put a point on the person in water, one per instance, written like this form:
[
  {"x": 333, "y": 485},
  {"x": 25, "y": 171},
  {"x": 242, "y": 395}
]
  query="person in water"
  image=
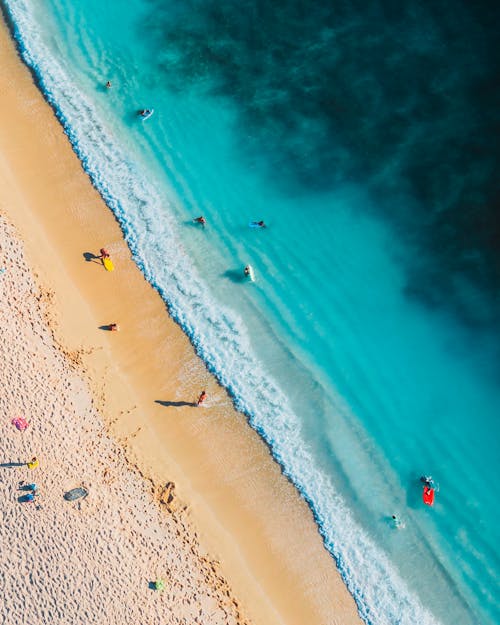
[
  {"x": 246, "y": 271},
  {"x": 104, "y": 253},
  {"x": 200, "y": 220},
  {"x": 201, "y": 398},
  {"x": 108, "y": 85},
  {"x": 398, "y": 524},
  {"x": 145, "y": 112},
  {"x": 427, "y": 481},
  {"x": 258, "y": 224}
]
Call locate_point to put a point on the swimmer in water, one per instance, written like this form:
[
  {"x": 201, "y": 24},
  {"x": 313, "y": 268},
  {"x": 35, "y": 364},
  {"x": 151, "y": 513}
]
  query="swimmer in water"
[
  {"x": 200, "y": 220},
  {"x": 397, "y": 523},
  {"x": 257, "y": 224},
  {"x": 108, "y": 85},
  {"x": 427, "y": 481}
]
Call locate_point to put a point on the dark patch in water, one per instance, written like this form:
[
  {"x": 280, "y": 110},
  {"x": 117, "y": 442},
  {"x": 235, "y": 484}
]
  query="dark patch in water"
[{"x": 403, "y": 98}]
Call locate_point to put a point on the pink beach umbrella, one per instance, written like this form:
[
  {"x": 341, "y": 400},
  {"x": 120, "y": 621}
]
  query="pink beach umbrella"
[{"x": 20, "y": 423}]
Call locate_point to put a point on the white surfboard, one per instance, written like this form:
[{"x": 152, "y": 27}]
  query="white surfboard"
[{"x": 251, "y": 273}]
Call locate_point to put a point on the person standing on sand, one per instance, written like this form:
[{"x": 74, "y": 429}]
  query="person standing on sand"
[
  {"x": 33, "y": 463},
  {"x": 201, "y": 398}
]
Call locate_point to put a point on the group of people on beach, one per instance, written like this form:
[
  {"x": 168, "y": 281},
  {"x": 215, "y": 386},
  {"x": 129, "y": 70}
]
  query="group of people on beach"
[{"x": 30, "y": 490}]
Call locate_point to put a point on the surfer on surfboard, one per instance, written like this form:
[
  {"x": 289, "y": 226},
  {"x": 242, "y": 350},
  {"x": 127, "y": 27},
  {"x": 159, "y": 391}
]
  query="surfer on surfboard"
[
  {"x": 429, "y": 490},
  {"x": 249, "y": 273},
  {"x": 146, "y": 113}
]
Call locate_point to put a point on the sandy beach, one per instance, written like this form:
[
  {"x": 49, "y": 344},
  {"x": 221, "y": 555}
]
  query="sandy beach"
[{"x": 113, "y": 411}]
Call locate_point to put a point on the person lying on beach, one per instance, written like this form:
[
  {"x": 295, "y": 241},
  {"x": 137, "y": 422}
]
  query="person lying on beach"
[
  {"x": 104, "y": 253},
  {"x": 201, "y": 398},
  {"x": 29, "y": 487},
  {"x": 200, "y": 220}
]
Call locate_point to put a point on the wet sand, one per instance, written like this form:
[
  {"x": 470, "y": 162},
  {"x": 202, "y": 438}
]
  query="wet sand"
[{"x": 142, "y": 379}]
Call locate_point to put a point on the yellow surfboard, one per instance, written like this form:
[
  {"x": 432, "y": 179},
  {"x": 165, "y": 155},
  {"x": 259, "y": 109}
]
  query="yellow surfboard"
[{"x": 108, "y": 264}]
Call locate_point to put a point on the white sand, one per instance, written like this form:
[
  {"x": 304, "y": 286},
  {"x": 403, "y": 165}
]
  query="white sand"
[{"x": 68, "y": 563}]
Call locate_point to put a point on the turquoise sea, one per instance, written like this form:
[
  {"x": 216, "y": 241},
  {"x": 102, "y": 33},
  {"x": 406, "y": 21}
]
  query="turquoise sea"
[{"x": 366, "y": 353}]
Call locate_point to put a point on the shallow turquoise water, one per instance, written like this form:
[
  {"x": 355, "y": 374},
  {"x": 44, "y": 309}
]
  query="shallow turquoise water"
[{"x": 366, "y": 350}]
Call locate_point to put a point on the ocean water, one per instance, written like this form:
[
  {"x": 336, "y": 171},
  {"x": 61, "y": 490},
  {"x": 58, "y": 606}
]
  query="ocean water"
[{"x": 366, "y": 352}]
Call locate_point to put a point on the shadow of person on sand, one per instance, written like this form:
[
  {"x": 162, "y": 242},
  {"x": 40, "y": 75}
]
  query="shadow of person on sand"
[
  {"x": 92, "y": 258},
  {"x": 106, "y": 327},
  {"x": 235, "y": 275},
  {"x": 176, "y": 404},
  {"x": 11, "y": 465}
]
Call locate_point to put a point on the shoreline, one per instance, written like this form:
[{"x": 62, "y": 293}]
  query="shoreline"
[{"x": 248, "y": 514}]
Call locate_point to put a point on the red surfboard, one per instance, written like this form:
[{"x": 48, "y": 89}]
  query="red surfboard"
[{"x": 428, "y": 495}]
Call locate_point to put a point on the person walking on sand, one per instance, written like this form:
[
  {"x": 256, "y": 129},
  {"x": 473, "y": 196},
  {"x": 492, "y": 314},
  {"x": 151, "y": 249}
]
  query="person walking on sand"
[
  {"x": 201, "y": 398},
  {"x": 33, "y": 463},
  {"x": 104, "y": 254},
  {"x": 113, "y": 327}
]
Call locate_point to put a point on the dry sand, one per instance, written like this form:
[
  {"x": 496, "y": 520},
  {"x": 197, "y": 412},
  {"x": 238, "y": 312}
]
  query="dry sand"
[
  {"x": 89, "y": 561},
  {"x": 122, "y": 440}
]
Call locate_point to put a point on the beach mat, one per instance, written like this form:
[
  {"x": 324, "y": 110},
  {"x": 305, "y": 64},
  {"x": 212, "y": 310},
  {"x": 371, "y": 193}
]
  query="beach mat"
[{"x": 75, "y": 493}]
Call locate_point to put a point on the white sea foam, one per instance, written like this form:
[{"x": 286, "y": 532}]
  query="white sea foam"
[{"x": 218, "y": 334}]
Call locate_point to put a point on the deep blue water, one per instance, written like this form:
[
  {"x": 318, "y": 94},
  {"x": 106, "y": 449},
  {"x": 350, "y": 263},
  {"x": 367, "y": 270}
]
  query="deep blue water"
[{"x": 366, "y": 352}]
